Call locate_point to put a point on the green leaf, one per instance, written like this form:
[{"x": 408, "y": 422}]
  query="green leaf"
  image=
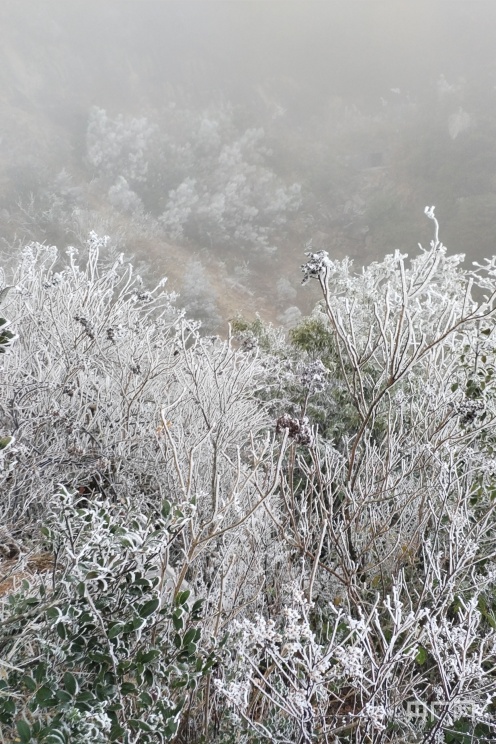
[
  {"x": 43, "y": 694},
  {"x": 51, "y": 702},
  {"x": 136, "y": 623},
  {"x": 56, "y": 736},
  {"x": 86, "y": 697},
  {"x": 182, "y": 597},
  {"x": 146, "y": 656},
  {"x": 192, "y": 635},
  {"x": 197, "y": 606},
  {"x": 114, "y": 707},
  {"x": 24, "y": 731},
  {"x": 52, "y": 613},
  {"x": 116, "y": 630},
  {"x": 177, "y": 622},
  {"x": 178, "y": 683},
  {"x": 146, "y": 699},
  {"x": 421, "y": 657},
  {"x": 40, "y": 672},
  {"x": 5, "y": 441},
  {"x": 127, "y": 688},
  {"x": 83, "y": 707},
  {"x": 166, "y": 508},
  {"x": 7, "y": 709},
  {"x": 61, "y": 632},
  {"x": 136, "y": 723},
  {"x": 4, "y": 292},
  {"x": 148, "y": 608},
  {"x": 63, "y": 696},
  {"x": 29, "y": 682},
  {"x": 117, "y": 732},
  {"x": 92, "y": 575},
  {"x": 70, "y": 683},
  {"x": 171, "y": 727},
  {"x": 208, "y": 665}
]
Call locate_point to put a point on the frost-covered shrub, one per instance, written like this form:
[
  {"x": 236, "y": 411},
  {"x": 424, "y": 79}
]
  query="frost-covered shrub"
[
  {"x": 334, "y": 492},
  {"x": 84, "y": 335},
  {"x": 234, "y": 197},
  {"x": 112, "y": 393},
  {"x": 123, "y": 197},
  {"x": 390, "y": 508},
  {"x": 181, "y": 203},
  {"x": 206, "y": 178},
  {"x": 198, "y": 296},
  {"x": 111, "y": 390},
  {"x": 119, "y": 146},
  {"x": 101, "y": 648},
  {"x": 7, "y": 336}
]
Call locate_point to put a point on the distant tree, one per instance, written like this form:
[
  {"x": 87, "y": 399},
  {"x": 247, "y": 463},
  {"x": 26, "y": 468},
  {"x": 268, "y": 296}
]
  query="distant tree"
[
  {"x": 199, "y": 173},
  {"x": 118, "y": 147},
  {"x": 198, "y": 297}
]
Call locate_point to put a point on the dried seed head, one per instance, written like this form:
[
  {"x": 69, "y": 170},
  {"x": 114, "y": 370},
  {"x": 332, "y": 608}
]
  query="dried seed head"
[{"x": 298, "y": 429}]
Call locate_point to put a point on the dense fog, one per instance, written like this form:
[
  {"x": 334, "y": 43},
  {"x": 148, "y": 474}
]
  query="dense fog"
[{"x": 213, "y": 140}]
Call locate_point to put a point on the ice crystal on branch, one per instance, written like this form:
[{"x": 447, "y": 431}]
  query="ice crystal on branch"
[{"x": 316, "y": 267}]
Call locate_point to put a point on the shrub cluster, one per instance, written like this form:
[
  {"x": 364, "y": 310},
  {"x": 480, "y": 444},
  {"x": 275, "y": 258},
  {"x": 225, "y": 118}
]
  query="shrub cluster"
[
  {"x": 235, "y": 197},
  {"x": 261, "y": 539}
]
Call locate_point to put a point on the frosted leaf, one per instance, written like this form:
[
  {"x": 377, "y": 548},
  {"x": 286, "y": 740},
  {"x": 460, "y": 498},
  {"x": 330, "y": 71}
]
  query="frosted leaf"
[{"x": 316, "y": 266}]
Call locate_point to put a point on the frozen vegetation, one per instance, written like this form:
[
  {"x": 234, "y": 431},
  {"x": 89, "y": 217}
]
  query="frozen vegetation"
[
  {"x": 237, "y": 507},
  {"x": 268, "y": 538}
]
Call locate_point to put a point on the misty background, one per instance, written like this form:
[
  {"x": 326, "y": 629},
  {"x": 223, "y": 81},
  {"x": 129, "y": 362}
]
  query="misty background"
[{"x": 213, "y": 140}]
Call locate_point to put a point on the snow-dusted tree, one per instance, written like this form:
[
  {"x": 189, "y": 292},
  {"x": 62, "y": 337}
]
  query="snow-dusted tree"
[
  {"x": 389, "y": 636},
  {"x": 116, "y": 409},
  {"x": 198, "y": 297},
  {"x": 236, "y": 198},
  {"x": 124, "y": 198},
  {"x": 118, "y": 147},
  {"x": 200, "y": 173}
]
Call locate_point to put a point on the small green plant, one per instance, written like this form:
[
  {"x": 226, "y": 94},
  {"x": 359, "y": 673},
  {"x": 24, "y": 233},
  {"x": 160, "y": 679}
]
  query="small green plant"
[{"x": 6, "y": 336}]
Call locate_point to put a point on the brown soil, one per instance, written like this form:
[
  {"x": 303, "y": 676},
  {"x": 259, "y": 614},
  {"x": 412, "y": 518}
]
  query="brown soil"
[{"x": 13, "y": 572}]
